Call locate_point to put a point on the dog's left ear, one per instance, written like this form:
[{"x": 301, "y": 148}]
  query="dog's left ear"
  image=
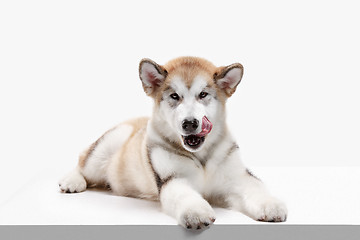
[
  {"x": 227, "y": 78},
  {"x": 152, "y": 75}
]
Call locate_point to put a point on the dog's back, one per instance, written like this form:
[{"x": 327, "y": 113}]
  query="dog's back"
[{"x": 118, "y": 159}]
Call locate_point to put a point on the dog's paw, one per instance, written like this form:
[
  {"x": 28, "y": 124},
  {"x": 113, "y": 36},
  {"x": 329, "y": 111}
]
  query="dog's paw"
[
  {"x": 73, "y": 182},
  {"x": 270, "y": 210},
  {"x": 198, "y": 217}
]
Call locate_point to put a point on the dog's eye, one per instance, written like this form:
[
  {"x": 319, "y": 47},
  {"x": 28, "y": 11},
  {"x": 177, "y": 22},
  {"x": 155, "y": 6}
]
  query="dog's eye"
[
  {"x": 203, "y": 95},
  {"x": 175, "y": 96}
]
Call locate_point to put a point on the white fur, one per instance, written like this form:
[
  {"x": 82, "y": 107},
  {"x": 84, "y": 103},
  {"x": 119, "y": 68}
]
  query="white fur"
[
  {"x": 72, "y": 182},
  {"x": 97, "y": 164},
  {"x": 223, "y": 176},
  {"x": 191, "y": 107},
  {"x": 190, "y": 178},
  {"x": 181, "y": 201},
  {"x": 167, "y": 164}
]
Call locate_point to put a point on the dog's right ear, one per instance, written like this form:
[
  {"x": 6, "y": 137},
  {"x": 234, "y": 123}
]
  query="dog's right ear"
[{"x": 152, "y": 75}]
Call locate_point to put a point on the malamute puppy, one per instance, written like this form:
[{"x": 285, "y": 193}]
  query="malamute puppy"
[{"x": 184, "y": 155}]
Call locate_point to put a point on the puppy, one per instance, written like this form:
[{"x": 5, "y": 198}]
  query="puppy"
[{"x": 184, "y": 155}]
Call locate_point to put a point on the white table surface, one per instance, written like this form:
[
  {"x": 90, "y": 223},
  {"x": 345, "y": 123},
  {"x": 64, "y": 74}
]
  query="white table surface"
[{"x": 321, "y": 195}]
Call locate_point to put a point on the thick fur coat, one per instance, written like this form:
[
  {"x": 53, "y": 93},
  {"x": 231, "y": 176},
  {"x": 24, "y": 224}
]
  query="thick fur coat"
[{"x": 184, "y": 155}]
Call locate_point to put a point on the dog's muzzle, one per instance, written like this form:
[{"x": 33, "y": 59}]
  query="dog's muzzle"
[{"x": 194, "y": 141}]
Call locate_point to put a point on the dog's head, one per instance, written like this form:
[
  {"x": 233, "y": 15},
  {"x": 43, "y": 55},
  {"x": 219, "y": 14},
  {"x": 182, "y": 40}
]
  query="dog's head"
[{"x": 190, "y": 95}]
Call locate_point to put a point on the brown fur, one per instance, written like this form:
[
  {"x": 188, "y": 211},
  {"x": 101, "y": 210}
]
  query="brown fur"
[
  {"x": 137, "y": 124},
  {"x": 130, "y": 156},
  {"x": 188, "y": 68}
]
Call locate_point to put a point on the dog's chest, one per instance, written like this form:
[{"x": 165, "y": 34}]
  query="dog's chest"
[
  {"x": 209, "y": 177},
  {"x": 197, "y": 171}
]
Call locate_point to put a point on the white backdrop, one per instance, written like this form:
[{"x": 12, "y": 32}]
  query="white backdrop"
[{"x": 69, "y": 71}]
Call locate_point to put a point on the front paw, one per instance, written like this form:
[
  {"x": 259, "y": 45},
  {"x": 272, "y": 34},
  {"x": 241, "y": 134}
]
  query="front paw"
[
  {"x": 73, "y": 182},
  {"x": 269, "y": 210},
  {"x": 197, "y": 217}
]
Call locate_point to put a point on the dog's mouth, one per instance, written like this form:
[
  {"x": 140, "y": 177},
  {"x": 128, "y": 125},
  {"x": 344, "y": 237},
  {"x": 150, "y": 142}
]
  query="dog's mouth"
[{"x": 193, "y": 142}]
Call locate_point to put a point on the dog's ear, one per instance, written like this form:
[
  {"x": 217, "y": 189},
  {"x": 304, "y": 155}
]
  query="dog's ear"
[
  {"x": 227, "y": 78},
  {"x": 152, "y": 75}
]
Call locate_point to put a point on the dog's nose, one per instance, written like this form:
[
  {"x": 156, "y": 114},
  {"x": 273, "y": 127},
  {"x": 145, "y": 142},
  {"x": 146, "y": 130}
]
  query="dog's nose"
[{"x": 189, "y": 126}]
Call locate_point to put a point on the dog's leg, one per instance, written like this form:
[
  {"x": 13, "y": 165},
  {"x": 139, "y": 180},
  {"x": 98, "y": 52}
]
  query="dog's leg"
[
  {"x": 93, "y": 162},
  {"x": 251, "y": 197},
  {"x": 181, "y": 201}
]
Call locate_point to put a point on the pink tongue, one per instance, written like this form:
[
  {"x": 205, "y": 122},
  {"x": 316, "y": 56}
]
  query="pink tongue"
[{"x": 205, "y": 127}]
